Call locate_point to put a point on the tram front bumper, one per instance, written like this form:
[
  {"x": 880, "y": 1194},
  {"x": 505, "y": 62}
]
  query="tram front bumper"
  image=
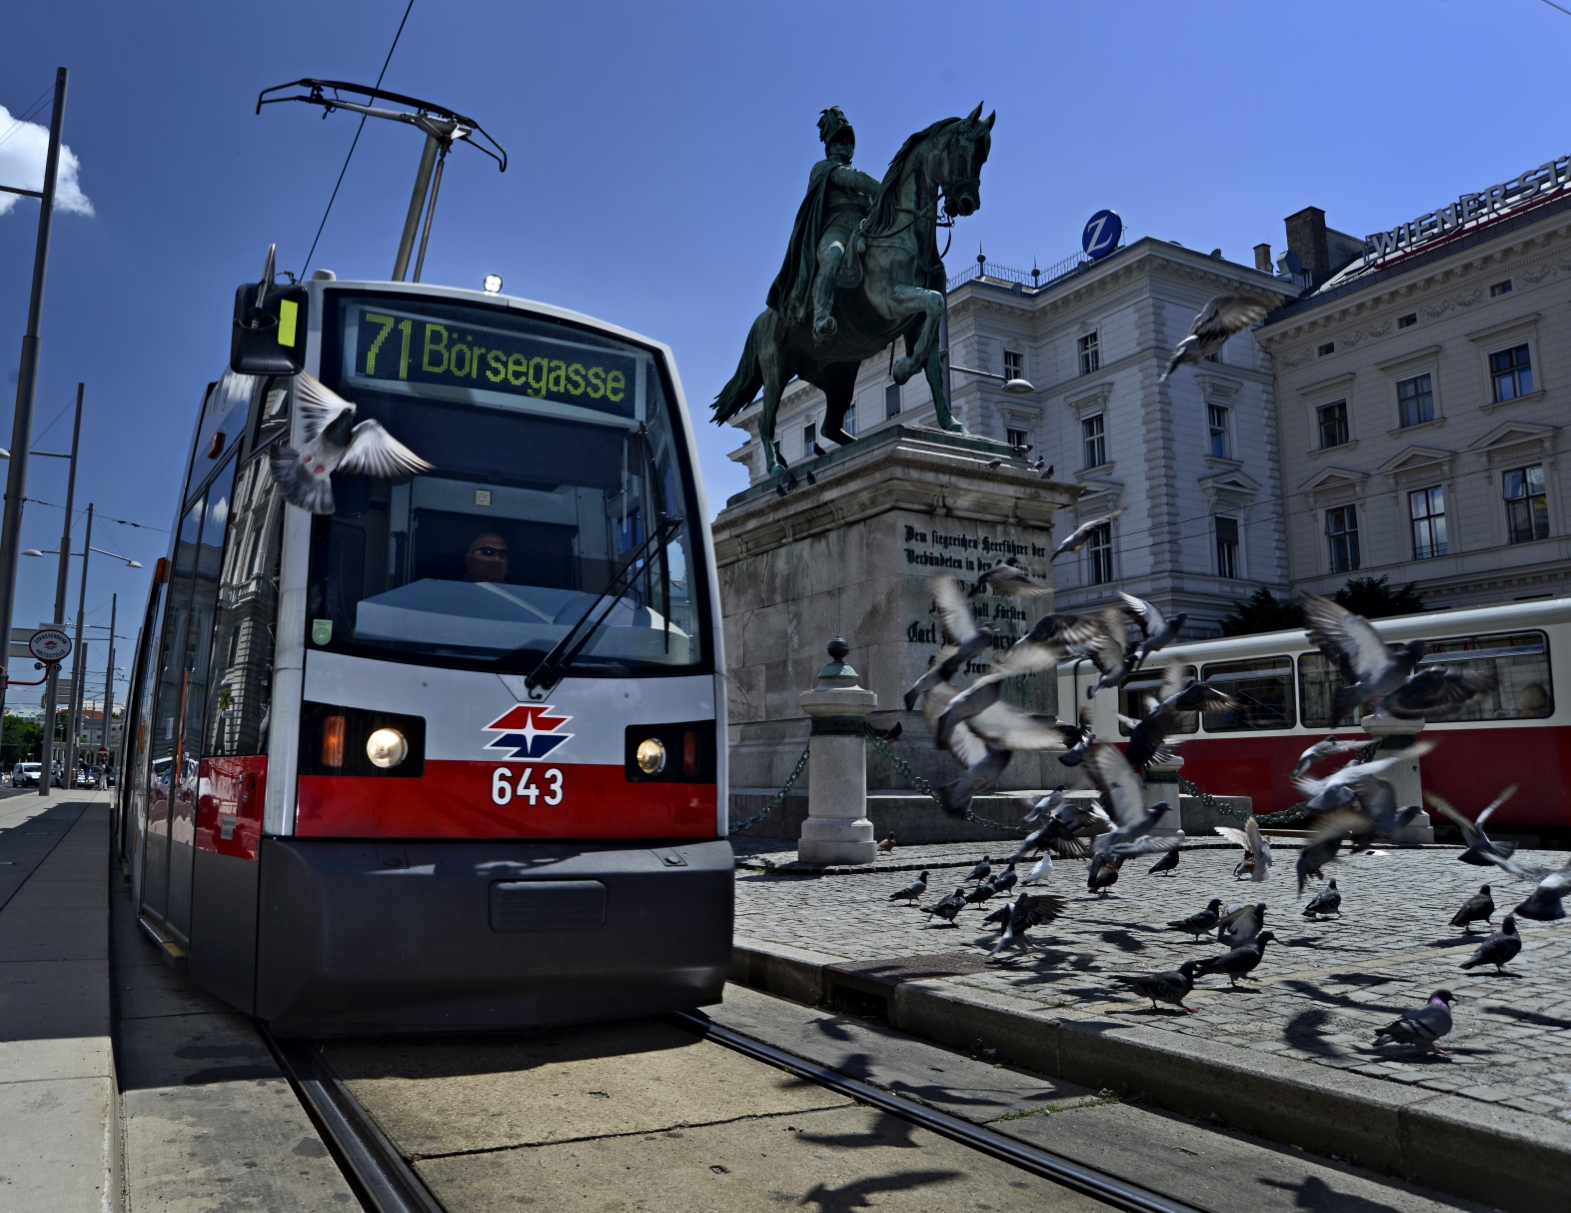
[{"x": 371, "y": 936}]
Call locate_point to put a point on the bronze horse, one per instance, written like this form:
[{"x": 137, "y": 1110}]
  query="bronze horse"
[{"x": 901, "y": 292}]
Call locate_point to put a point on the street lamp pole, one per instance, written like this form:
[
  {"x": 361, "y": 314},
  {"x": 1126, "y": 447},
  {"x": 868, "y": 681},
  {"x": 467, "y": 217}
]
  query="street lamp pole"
[
  {"x": 79, "y": 661},
  {"x": 27, "y": 379},
  {"x": 109, "y": 682},
  {"x": 52, "y": 694}
]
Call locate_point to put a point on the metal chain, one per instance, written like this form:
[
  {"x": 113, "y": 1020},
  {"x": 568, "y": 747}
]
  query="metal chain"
[
  {"x": 1296, "y": 813},
  {"x": 779, "y": 796},
  {"x": 926, "y": 788}
]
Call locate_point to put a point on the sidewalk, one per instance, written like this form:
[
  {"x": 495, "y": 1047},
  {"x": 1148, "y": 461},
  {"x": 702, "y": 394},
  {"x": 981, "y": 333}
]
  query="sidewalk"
[{"x": 59, "y": 1150}]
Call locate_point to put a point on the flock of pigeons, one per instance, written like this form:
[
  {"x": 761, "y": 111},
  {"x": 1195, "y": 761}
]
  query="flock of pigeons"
[{"x": 1351, "y": 804}]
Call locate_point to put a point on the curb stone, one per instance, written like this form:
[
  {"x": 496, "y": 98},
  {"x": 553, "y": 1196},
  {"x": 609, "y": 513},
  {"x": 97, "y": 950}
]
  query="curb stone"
[{"x": 1510, "y": 1159}]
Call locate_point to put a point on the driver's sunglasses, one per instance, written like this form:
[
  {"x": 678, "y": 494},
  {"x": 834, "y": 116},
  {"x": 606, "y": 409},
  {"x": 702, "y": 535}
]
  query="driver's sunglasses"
[{"x": 502, "y": 552}]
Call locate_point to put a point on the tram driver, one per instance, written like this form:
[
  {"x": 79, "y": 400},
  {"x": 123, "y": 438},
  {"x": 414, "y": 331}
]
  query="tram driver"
[{"x": 486, "y": 558}]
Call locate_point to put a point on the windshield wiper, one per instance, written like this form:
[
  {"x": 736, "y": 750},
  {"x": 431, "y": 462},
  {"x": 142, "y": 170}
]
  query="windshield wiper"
[{"x": 565, "y": 651}]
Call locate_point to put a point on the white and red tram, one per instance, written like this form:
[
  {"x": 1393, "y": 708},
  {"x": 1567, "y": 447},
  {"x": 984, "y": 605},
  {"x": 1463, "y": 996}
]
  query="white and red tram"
[
  {"x": 451, "y": 756},
  {"x": 1285, "y": 687}
]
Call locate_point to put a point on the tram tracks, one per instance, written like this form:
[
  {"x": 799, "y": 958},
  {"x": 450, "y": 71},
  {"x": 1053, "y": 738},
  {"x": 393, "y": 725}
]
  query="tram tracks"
[{"x": 388, "y": 1183}]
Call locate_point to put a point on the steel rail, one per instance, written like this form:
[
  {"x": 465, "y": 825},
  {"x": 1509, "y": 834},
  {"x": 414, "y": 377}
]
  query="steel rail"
[
  {"x": 383, "y": 1180},
  {"x": 1085, "y": 1180}
]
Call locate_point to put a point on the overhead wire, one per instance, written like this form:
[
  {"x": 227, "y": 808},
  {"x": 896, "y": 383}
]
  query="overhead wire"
[
  {"x": 353, "y": 144},
  {"x": 24, "y": 118}
]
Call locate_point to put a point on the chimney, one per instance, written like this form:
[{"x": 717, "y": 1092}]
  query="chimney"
[
  {"x": 1263, "y": 258},
  {"x": 1306, "y": 236}
]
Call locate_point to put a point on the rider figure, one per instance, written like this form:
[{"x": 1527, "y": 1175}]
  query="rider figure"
[{"x": 838, "y": 198}]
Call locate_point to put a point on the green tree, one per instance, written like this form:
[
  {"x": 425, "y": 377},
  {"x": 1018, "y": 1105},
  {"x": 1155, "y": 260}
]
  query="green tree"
[
  {"x": 1373, "y": 598},
  {"x": 20, "y": 740},
  {"x": 1264, "y": 612}
]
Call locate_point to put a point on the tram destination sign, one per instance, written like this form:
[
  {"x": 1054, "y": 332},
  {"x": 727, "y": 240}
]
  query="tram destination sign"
[
  {"x": 1470, "y": 210},
  {"x": 404, "y": 346}
]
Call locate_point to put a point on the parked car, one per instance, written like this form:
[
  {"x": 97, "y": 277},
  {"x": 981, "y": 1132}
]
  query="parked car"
[
  {"x": 83, "y": 778},
  {"x": 25, "y": 775}
]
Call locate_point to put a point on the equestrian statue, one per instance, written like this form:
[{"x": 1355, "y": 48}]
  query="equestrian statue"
[{"x": 862, "y": 269}]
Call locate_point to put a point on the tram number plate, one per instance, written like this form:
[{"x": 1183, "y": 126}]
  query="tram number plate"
[{"x": 503, "y": 789}]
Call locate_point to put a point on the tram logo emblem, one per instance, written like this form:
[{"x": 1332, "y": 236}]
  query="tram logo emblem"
[{"x": 528, "y": 730}]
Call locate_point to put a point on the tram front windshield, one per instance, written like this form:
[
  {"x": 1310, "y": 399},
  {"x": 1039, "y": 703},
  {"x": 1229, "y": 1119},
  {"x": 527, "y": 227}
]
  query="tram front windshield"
[{"x": 556, "y": 459}]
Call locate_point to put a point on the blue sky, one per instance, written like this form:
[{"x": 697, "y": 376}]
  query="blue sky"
[{"x": 659, "y": 153}]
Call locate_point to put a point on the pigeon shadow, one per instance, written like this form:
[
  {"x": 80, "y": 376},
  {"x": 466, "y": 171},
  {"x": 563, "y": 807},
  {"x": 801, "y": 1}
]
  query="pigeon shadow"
[
  {"x": 1532, "y": 1017},
  {"x": 832, "y": 1028},
  {"x": 1482, "y": 972},
  {"x": 1123, "y": 940},
  {"x": 886, "y": 1131},
  {"x": 1304, "y": 1031},
  {"x": 1317, "y": 1196},
  {"x": 855, "y": 1195}
]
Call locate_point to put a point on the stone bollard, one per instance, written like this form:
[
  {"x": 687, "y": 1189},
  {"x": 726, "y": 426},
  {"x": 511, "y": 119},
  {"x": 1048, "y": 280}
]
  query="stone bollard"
[
  {"x": 837, "y": 829},
  {"x": 1161, "y": 783},
  {"x": 1405, "y": 779}
]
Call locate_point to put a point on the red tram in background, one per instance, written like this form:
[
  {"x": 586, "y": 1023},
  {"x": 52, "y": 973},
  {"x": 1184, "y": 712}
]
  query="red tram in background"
[
  {"x": 451, "y": 756},
  {"x": 1285, "y": 688}
]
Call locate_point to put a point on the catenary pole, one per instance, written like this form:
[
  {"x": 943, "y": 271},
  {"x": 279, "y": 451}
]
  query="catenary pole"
[
  {"x": 109, "y": 688},
  {"x": 27, "y": 381},
  {"x": 79, "y": 660},
  {"x": 52, "y": 693}
]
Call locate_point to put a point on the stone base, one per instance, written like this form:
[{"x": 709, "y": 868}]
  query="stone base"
[
  {"x": 837, "y": 840},
  {"x": 1420, "y": 829}
]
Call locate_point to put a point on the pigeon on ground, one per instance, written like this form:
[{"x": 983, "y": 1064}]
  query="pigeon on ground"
[
  {"x": 1473, "y": 831},
  {"x": 1156, "y": 630},
  {"x": 1240, "y": 962},
  {"x": 1178, "y": 695},
  {"x": 961, "y": 627},
  {"x": 1256, "y": 863},
  {"x": 1029, "y": 910},
  {"x": 1168, "y": 863},
  {"x": 1222, "y": 317},
  {"x": 1500, "y": 947},
  {"x": 1103, "y": 873},
  {"x": 917, "y": 888},
  {"x": 1543, "y": 903},
  {"x": 949, "y": 906},
  {"x": 1081, "y": 535},
  {"x": 1043, "y": 869},
  {"x": 1123, "y": 796},
  {"x": 1238, "y": 926},
  {"x": 1005, "y": 880},
  {"x": 1025, "y": 450},
  {"x": 1480, "y": 907},
  {"x": 333, "y": 442},
  {"x": 886, "y": 845},
  {"x": 1172, "y": 986},
  {"x": 994, "y": 463},
  {"x": 1201, "y": 923},
  {"x": 1048, "y": 474},
  {"x": 1009, "y": 577},
  {"x": 1421, "y": 1027},
  {"x": 1321, "y": 750},
  {"x": 1327, "y": 902},
  {"x": 982, "y": 870},
  {"x": 981, "y": 893}
]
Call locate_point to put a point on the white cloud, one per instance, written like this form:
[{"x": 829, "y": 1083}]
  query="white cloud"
[{"x": 22, "y": 156}]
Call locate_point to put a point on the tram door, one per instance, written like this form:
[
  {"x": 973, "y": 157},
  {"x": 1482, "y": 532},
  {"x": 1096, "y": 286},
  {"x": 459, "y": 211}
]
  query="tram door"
[{"x": 179, "y": 706}]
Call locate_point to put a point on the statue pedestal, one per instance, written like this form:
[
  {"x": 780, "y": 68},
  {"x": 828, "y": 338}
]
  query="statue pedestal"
[
  {"x": 854, "y": 555},
  {"x": 1161, "y": 784},
  {"x": 1406, "y": 781},
  {"x": 837, "y": 829}
]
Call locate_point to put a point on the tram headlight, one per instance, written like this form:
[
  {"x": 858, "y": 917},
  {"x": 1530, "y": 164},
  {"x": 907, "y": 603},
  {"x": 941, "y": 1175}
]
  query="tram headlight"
[
  {"x": 386, "y": 748},
  {"x": 650, "y": 756}
]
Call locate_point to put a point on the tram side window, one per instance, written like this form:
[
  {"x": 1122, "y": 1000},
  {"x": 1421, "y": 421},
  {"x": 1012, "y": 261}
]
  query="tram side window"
[
  {"x": 1520, "y": 662},
  {"x": 1146, "y": 685},
  {"x": 1263, "y": 689},
  {"x": 247, "y": 617},
  {"x": 171, "y": 673},
  {"x": 1318, "y": 682}
]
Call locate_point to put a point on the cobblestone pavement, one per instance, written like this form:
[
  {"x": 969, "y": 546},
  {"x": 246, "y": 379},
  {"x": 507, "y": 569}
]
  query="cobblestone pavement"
[{"x": 1320, "y": 995}]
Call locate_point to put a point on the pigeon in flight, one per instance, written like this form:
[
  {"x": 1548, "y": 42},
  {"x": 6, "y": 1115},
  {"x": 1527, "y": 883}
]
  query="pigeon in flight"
[
  {"x": 917, "y": 888},
  {"x": 1240, "y": 962},
  {"x": 1256, "y": 863},
  {"x": 983, "y": 763},
  {"x": 1010, "y": 578},
  {"x": 1543, "y": 904},
  {"x": 960, "y": 626},
  {"x": 1170, "y": 987},
  {"x": 1480, "y": 907},
  {"x": 334, "y": 442},
  {"x": 1238, "y": 925},
  {"x": 1201, "y": 923},
  {"x": 1113, "y": 654},
  {"x": 1045, "y": 806},
  {"x": 1341, "y": 788},
  {"x": 1081, "y": 535},
  {"x": 1029, "y": 910},
  {"x": 1156, "y": 630},
  {"x": 1499, "y": 948},
  {"x": 1329, "y": 901},
  {"x": 1178, "y": 695},
  {"x": 1123, "y": 796},
  {"x": 1221, "y": 318},
  {"x": 1473, "y": 831},
  {"x": 1167, "y": 864},
  {"x": 1317, "y": 854},
  {"x": 1321, "y": 750},
  {"x": 1421, "y": 1027}
]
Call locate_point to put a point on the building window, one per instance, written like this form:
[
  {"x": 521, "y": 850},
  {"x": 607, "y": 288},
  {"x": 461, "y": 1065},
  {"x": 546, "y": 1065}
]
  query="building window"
[
  {"x": 1415, "y": 399},
  {"x": 1216, "y": 424},
  {"x": 849, "y": 424},
  {"x": 809, "y": 436},
  {"x": 1328, "y": 348},
  {"x": 1333, "y": 423},
  {"x": 1527, "y": 508},
  {"x": 1095, "y": 441},
  {"x": 891, "y": 401},
  {"x": 1407, "y": 321},
  {"x": 1014, "y": 365},
  {"x": 1342, "y": 536},
  {"x": 1017, "y": 438},
  {"x": 1099, "y": 555},
  {"x": 1227, "y": 547},
  {"x": 1512, "y": 372},
  {"x": 1427, "y": 509},
  {"x": 1090, "y": 356},
  {"x": 1500, "y": 288}
]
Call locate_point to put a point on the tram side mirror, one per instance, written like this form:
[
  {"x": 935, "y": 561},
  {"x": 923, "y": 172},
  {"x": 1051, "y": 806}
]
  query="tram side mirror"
[{"x": 268, "y": 338}]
